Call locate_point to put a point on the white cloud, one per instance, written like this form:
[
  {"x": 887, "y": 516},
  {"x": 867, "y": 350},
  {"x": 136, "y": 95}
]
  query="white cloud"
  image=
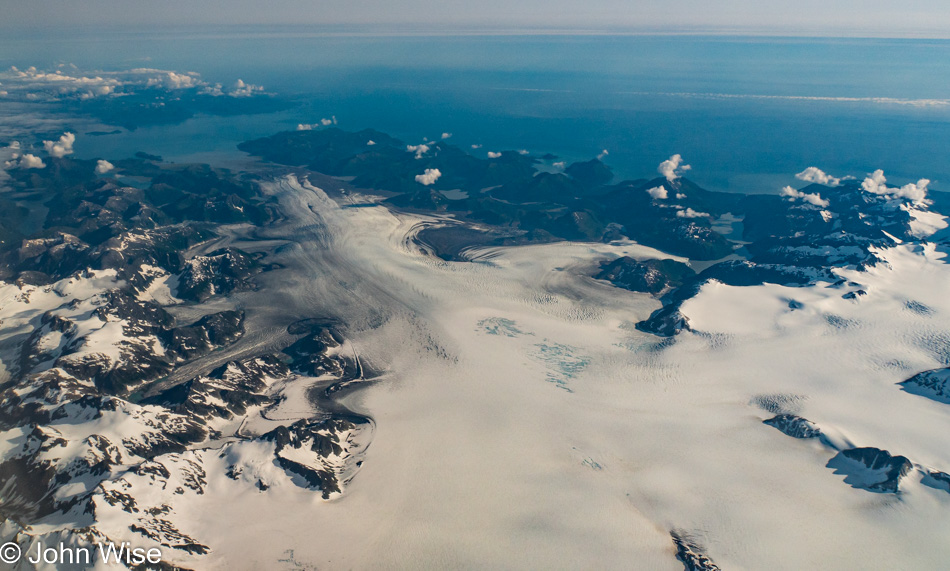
[
  {"x": 419, "y": 150},
  {"x": 370, "y": 143},
  {"x": 62, "y": 147},
  {"x": 658, "y": 192},
  {"x": 673, "y": 168},
  {"x": 813, "y": 199},
  {"x": 428, "y": 177},
  {"x": 476, "y": 146},
  {"x": 216, "y": 90},
  {"x": 602, "y": 155},
  {"x": 27, "y": 161},
  {"x": 493, "y": 155},
  {"x": 816, "y": 175},
  {"x": 31, "y": 161},
  {"x": 35, "y": 85},
  {"x": 446, "y": 135},
  {"x": 523, "y": 152},
  {"x": 876, "y": 183},
  {"x": 170, "y": 79},
  {"x": 102, "y": 167},
  {"x": 913, "y": 191},
  {"x": 242, "y": 89},
  {"x": 680, "y": 196},
  {"x": 690, "y": 213},
  {"x": 559, "y": 165},
  {"x": 32, "y": 84},
  {"x": 321, "y": 123}
]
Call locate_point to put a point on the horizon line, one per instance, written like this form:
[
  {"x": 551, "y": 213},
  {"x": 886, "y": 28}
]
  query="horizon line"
[{"x": 422, "y": 30}]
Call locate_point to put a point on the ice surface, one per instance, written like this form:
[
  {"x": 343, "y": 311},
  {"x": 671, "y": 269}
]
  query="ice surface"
[{"x": 479, "y": 459}]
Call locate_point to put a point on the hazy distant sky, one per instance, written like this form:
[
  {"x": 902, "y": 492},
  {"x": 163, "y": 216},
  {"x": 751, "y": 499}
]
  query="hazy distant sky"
[{"x": 927, "y": 18}]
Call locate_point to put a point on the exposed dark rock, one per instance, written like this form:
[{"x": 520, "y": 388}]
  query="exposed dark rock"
[
  {"x": 309, "y": 354},
  {"x": 746, "y": 273},
  {"x": 218, "y": 273},
  {"x": 691, "y": 554},
  {"x": 933, "y": 384},
  {"x": 665, "y": 322},
  {"x": 650, "y": 276},
  {"x": 590, "y": 173},
  {"x": 937, "y": 479},
  {"x": 225, "y": 392},
  {"x": 794, "y": 426},
  {"x": 215, "y": 330},
  {"x": 871, "y": 469},
  {"x": 322, "y": 438}
]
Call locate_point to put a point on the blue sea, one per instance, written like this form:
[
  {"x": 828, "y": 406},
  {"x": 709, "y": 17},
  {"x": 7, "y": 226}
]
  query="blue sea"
[{"x": 746, "y": 112}]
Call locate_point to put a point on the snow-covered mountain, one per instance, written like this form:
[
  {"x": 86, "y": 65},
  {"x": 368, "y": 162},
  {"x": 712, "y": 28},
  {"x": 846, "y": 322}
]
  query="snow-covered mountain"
[{"x": 542, "y": 383}]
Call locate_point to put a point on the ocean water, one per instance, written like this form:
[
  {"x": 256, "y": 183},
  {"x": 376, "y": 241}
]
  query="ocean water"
[{"x": 746, "y": 113}]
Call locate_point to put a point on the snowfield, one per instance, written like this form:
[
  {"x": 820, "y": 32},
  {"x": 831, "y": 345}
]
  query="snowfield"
[
  {"x": 520, "y": 420},
  {"x": 480, "y": 459}
]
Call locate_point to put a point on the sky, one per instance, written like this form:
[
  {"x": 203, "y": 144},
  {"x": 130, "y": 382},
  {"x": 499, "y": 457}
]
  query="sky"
[{"x": 882, "y": 18}]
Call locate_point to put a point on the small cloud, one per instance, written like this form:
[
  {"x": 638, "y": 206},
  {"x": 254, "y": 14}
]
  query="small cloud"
[
  {"x": 27, "y": 161},
  {"x": 62, "y": 147},
  {"x": 476, "y": 146},
  {"x": 171, "y": 80},
  {"x": 321, "y": 123},
  {"x": 680, "y": 196},
  {"x": 428, "y": 177},
  {"x": 370, "y": 143},
  {"x": 914, "y": 191},
  {"x": 102, "y": 167},
  {"x": 31, "y": 161},
  {"x": 446, "y": 136},
  {"x": 876, "y": 183},
  {"x": 523, "y": 152},
  {"x": 658, "y": 193},
  {"x": 690, "y": 213},
  {"x": 673, "y": 168},
  {"x": 242, "y": 89},
  {"x": 419, "y": 150},
  {"x": 216, "y": 90},
  {"x": 493, "y": 155},
  {"x": 813, "y": 199},
  {"x": 816, "y": 175},
  {"x": 559, "y": 165},
  {"x": 602, "y": 155}
]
